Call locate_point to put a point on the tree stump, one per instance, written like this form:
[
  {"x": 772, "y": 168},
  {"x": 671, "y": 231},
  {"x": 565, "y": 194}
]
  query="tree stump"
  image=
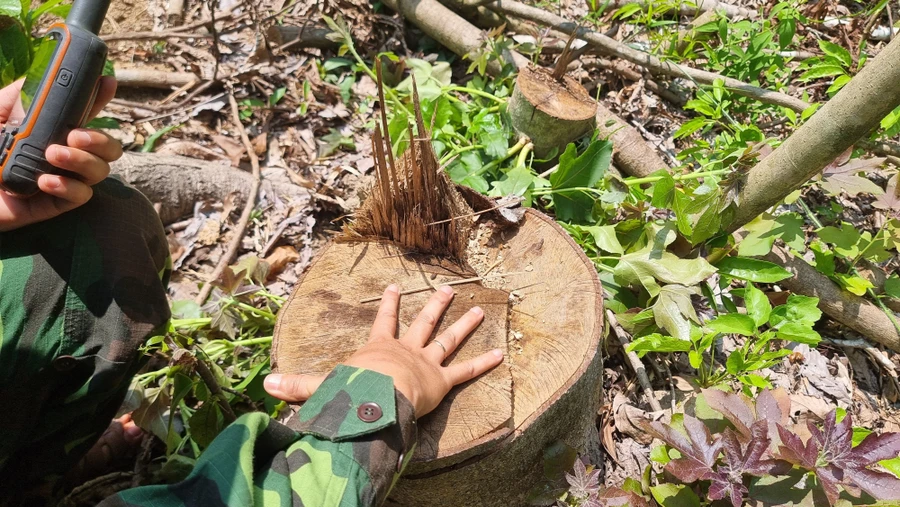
[
  {"x": 551, "y": 111},
  {"x": 483, "y": 446}
]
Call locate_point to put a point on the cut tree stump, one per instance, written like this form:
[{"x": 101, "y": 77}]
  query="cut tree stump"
[
  {"x": 483, "y": 446},
  {"x": 551, "y": 112},
  {"x": 543, "y": 305}
]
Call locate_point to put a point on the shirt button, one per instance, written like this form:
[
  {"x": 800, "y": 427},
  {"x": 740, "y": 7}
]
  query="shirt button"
[
  {"x": 64, "y": 363},
  {"x": 369, "y": 412}
]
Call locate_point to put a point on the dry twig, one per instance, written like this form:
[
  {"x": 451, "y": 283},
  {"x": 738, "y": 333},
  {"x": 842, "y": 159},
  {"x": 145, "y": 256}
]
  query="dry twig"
[
  {"x": 241, "y": 227},
  {"x": 634, "y": 361}
]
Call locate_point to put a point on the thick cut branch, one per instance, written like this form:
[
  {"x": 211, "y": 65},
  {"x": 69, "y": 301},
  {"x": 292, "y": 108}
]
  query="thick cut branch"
[
  {"x": 448, "y": 28},
  {"x": 179, "y": 182},
  {"x": 848, "y": 116},
  {"x": 852, "y": 311},
  {"x": 631, "y": 153},
  {"x": 612, "y": 47},
  {"x": 154, "y": 78}
]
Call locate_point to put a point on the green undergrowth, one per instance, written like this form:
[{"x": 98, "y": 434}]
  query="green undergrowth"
[{"x": 679, "y": 285}]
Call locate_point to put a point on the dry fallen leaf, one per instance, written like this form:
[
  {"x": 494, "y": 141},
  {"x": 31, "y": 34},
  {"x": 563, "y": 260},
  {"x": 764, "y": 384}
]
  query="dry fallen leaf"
[{"x": 280, "y": 257}]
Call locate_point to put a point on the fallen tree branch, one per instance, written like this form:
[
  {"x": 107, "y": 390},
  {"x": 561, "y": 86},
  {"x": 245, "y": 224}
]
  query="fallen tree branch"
[
  {"x": 449, "y": 29},
  {"x": 852, "y": 311},
  {"x": 613, "y": 47},
  {"x": 692, "y": 8},
  {"x": 851, "y": 114},
  {"x": 308, "y": 35},
  {"x": 154, "y": 78},
  {"x": 241, "y": 227},
  {"x": 631, "y": 152},
  {"x": 178, "y": 183}
]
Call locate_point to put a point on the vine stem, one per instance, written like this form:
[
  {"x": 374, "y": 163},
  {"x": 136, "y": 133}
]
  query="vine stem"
[
  {"x": 632, "y": 182},
  {"x": 512, "y": 151},
  {"x": 473, "y": 91}
]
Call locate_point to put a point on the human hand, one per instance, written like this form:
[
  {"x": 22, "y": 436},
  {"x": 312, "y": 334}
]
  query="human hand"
[
  {"x": 415, "y": 367},
  {"x": 86, "y": 156}
]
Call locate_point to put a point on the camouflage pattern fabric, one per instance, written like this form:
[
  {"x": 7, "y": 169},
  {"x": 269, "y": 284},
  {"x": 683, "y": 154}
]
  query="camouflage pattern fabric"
[
  {"x": 330, "y": 457},
  {"x": 78, "y": 295}
]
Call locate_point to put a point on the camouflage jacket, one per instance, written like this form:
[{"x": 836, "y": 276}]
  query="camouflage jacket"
[{"x": 346, "y": 448}]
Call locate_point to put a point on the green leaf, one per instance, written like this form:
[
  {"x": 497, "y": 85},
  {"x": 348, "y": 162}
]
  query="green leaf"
[
  {"x": 11, "y": 8},
  {"x": 892, "y": 287},
  {"x": 658, "y": 343},
  {"x": 845, "y": 239},
  {"x": 824, "y": 257},
  {"x": 663, "y": 190},
  {"x": 800, "y": 309},
  {"x": 758, "y": 306},
  {"x": 853, "y": 284},
  {"x": 103, "y": 123},
  {"x": 798, "y": 332},
  {"x": 14, "y": 49},
  {"x": 733, "y": 323},
  {"x": 150, "y": 143},
  {"x": 517, "y": 181},
  {"x": 674, "y": 312},
  {"x": 832, "y": 49},
  {"x": 891, "y": 465},
  {"x": 646, "y": 268},
  {"x": 581, "y": 171},
  {"x": 206, "y": 423},
  {"x": 752, "y": 270},
  {"x": 822, "y": 70},
  {"x": 735, "y": 363},
  {"x": 674, "y": 495},
  {"x": 660, "y": 455},
  {"x": 605, "y": 238}
]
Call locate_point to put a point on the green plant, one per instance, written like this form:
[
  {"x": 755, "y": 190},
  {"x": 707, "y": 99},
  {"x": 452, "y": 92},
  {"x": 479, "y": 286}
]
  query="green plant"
[{"x": 17, "y": 45}]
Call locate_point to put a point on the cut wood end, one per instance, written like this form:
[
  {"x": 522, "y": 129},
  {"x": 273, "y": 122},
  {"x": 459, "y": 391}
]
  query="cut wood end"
[
  {"x": 413, "y": 204},
  {"x": 565, "y": 99}
]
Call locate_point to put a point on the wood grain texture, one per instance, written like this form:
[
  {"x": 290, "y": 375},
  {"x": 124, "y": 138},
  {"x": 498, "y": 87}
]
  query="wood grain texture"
[{"x": 324, "y": 323}]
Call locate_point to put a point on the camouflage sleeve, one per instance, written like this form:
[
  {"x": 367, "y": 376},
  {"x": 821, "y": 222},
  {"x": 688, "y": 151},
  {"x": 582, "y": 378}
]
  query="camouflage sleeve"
[{"x": 346, "y": 448}]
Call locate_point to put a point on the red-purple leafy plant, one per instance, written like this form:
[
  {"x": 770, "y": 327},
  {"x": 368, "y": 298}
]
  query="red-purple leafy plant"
[{"x": 760, "y": 444}]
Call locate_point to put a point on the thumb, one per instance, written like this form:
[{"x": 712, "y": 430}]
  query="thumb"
[
  {"x": 9, "y": 98},
  {"x": 292, "y": 387}
]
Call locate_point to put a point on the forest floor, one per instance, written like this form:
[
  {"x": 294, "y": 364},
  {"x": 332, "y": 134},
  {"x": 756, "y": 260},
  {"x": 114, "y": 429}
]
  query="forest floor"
[{"x": 309, "y": 114}]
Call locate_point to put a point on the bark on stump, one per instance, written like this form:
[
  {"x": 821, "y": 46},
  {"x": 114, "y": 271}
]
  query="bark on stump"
[
  {"x": 551, "y": 113},
  {"x": 483, "y": 446}
]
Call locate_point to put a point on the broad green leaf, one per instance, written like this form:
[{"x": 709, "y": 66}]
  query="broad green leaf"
[
  {"x": 735, "y": 363},
  {"x": 674, "y": 495},
  {"x": 206, "y": 423},
  {"x": 752, "y": 270},
  {"x": 799, "y": 309},
  {"x": 800, "y": 333},
  {"x": 733, "y": 323},
  {"x": 658, "y": 343},
  {"x": 517, "y": 181},
  {"x": 760, "y": 239},
  {"x": 605, "y": 238},
  {"x": 464, "y": 171},
  {"x": 822, "y": 70},
  {"x": 11, "y": 8},
  {"x": 663, "y": 190},
  {"x": 645, "y": 269},
  {"x": 832, "y": 49},
  {"x": 891, "y": 465},
  {"x": 583, "y": 171},
  {"x": 854, "y": 284},
  {"x": 674, "y": 312},
  {"x": 824, "y": 257},
  {"x": 14, "y": 52},
  {"x": 660, "y": 455},
  {"x": 845, "y": 239},
  {"x": 892, "y": 287},
  {"x": 757, "y": 304}
]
